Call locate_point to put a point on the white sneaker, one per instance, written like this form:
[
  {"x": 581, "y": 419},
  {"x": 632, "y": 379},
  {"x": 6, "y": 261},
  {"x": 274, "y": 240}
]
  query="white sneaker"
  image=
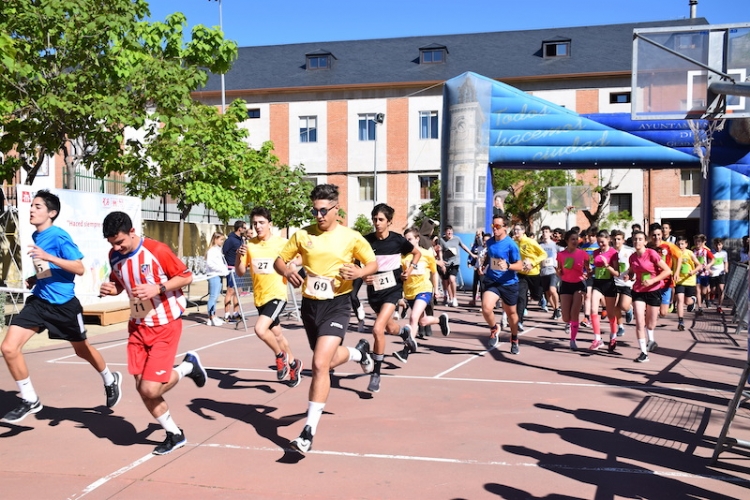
[
  {"x": 217, "y": 322},
  {"x": 505, "y": 320},
  {"x": 209, "y": 322},
  {"x": 361, "y": 312},
  {"x": 455, "y": 302}
]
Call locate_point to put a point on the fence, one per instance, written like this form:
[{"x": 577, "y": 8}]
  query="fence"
[{"x": 737, "y": 291}]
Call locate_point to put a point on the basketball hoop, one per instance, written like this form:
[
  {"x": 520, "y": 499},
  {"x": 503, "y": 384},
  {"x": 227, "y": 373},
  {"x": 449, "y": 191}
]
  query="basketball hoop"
[{"x": 702, "y": 139}]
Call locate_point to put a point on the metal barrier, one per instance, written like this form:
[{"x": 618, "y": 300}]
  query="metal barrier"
[
  {"x": 737, "y": 291},
  {"x": 244, "y": 288}
]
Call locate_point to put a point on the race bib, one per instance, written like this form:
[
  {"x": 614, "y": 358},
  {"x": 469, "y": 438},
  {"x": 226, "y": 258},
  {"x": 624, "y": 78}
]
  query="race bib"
[
  {"x": 383, "y": 281},
  {"x": 42, "y": 269},
  {"x": 685, "y": 269},
  {"x": 263, "y": 266},
  {"x": 140, "y": 309},
  {"x": 418, "y": 271},
  {"x": 549, "y": 262},
  {"x": 568, "y": 264},
  {"x": 623, "y": 266},
  {"x": 498, "y": 264},
  {"x": 319, "y": 287},
  {"x": 602, "y": 273},
  {"x": 645, "y": 277}
]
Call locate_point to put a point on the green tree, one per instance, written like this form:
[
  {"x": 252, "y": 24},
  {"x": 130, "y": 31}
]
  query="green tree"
[
  {"x": 363, "y": 225},
  {"x": 74, "y": 74},
  {"x": 528, "y": 190},
  {"x": 431, "y": 209}
]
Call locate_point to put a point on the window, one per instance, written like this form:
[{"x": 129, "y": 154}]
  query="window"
[
  {"x": 318, "y": 62},
  {"x": 428, "y": 124},
  {"x": 619, "y": 97},
  {"x": 253, "y": 113},
  {"x": 481, "y": 185},
  {"x": 313, "y": 181},
  {"x": 367, "y": 127},
  {"x": 367, "y": 188},
  {"x": 620, "y": 203},
  {"x": 459, "y": 184},
  {"x": 458, "y": 216},
  {"x": 432, "y": 56},
  {"x": 556, "y": 49},
  {"x": 690, "y": 182},
  {"x": 481, "y": 212},
  {"x": 308, "y": 130},
  {"x": 426, "y": 182}
]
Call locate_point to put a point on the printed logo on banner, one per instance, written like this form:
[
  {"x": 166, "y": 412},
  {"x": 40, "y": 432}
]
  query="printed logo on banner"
[{"x": 26, "y": 197}]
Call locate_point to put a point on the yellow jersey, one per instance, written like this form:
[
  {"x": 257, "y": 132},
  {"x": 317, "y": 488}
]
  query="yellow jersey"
[
  {"x": 419, "y": 279},
  {"x": 258, "y": 260},
  {"x": 686, "y": 267},
  {"x": 532, "y": 251},
  {"x": 323, "y": 254}
]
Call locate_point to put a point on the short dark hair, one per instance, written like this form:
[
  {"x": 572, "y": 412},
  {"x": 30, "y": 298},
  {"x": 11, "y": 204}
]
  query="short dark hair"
[
  {"x": 115, "y": 223},
  {"x": 382, "y": 208},
  {"x": 448, "y": 227},
  {"x": 653, "y": 227},
  {"x": 238, "y": 224},
  {"x": 602, "y": 234},
  {"x": 616, "y": 232},
  {"x": 51, "y": 201},
  {"x": 547, "y": 228},
  {"x": 328, "y": 192},
  {"x": 261, "y": 212},
  {"x": 680, "y": 238}
]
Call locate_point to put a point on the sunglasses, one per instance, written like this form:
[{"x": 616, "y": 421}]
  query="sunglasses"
[
  {"x": 323, "y": 211},
  {"x": 497, "y": 226}
]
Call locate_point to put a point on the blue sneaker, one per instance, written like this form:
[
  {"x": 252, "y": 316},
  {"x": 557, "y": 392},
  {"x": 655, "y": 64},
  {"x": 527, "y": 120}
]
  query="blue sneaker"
[
  {"x": 620, "y": 331},
  {"x": 198, "y": 374},
  {"x": 629, "y": 316}
]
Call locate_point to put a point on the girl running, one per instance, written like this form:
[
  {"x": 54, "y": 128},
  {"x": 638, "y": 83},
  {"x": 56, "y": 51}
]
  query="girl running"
[
  {"x": 606, "y": 268},
  {"x": 649, "y": 272},
  {"x": 572, "y": 266}
]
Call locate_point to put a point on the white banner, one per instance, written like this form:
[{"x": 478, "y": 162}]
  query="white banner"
[{"x": 81, "y": 215}]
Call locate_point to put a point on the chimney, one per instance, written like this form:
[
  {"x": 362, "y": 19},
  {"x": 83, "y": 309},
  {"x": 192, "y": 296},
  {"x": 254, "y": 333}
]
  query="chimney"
[{"x": 693, "y": 9}]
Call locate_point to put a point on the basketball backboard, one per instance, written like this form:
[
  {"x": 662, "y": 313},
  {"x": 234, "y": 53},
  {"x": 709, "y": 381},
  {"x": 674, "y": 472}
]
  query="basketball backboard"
[
  {"x": 568, "y": 198},
  {"x": 691, "y": 72}
]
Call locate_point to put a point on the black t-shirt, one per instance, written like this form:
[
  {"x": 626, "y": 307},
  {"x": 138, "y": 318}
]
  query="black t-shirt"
[{"x": 388, "y": 253}]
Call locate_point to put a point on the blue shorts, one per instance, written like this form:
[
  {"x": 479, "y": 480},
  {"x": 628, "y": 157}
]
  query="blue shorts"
[
  {"x": 508, "y": 293},
  {"x": 704, "y": 280},
  {"x": 424, "y": 297},
  {"x": 666, "y": 296}
]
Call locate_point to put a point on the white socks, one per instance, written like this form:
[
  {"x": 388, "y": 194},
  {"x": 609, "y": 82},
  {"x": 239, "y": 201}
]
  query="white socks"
[
  {"x": 314, "y": 412},
  {"x": 27, "y": 390}
]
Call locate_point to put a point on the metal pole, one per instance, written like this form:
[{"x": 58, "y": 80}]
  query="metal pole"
[
  {"x": 375, "y": 167},
  {"x": 223, "y": 91}
]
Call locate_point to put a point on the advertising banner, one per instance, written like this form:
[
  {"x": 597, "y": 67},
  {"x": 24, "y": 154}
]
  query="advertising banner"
[{"x": 81, "y": 215}]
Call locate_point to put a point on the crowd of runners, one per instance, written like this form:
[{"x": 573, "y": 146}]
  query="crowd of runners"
[{"x": 585, "y": 279}]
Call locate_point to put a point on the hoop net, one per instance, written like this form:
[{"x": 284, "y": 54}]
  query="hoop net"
[{"x": 702, "y": 139}]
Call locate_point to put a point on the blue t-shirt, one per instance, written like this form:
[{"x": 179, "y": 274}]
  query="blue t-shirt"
[
  {"x": 230, "y": 247},
  {"x": 58, "y": 288},
  {"x": 505, "y": 249}
]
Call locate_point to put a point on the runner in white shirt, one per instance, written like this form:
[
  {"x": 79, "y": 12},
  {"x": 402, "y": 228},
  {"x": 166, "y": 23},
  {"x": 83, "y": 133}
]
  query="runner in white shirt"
[{"x": 624, "y": 309}]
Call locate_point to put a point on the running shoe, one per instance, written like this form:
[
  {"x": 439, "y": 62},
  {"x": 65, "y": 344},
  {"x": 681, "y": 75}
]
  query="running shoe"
[
  {"x": 629, "y": 316},
  {"x": 670, "y": 309},
  {"x": 680, "y": 326},
  {"x": 620, "y": 331},
  {"x": 691, "y": 307},
  {"x": 295, "y": 373},
  {"x": 699, "y": 312},
  {"x": 567, "y": 328},
  {"x": 642, "y": 358},
  {"x": 217, "y": 322},
  {"x": 455, "y": 302},
  {"x": 557, "y": 314},
  {"x": 113, "y": 390},
  {"x": 718, "y": 309},
  {"x": 596, "y": 345},
  {"x": 374, "y": 385},
  {"x": 585, "y": 324},
  {"x": 573, "y": 345},
  {"x": 361, "y": 312},
  {"x": 520, "y": 327},
  {"x": 404, "y": 309},
  {"x": 543, "y": 304},
  {"x": 282, "y": 366},
  {"x": 505, "y": 320},
  {"x": 493, "y": 336},
  {"x": 198, "y": 374},
  {"x": 402, "y": 355},
  {"x": 514, "y": 347},
  {"x": 173, "y": 442},
  {"x": 366, "y": 363},
  {"x": 612, "y": 345},
  {"x": 23, "y": 409},
  {"x": 444, "y": 328},
  {"x": 652, "y": 346},
  {"x": 604, "y": 314},
  {"x": 408, "y": 341},
  {"x": 304, "y": 442}
]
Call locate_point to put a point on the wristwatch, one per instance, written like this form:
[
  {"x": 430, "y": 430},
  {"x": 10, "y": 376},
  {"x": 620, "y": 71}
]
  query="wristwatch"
[
  {"x": 414, "y": 265},
  {"x": 162, "y": 289}
]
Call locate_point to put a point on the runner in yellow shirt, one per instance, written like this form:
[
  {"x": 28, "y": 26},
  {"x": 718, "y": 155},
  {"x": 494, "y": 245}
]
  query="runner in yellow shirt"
[
  {"x": 269, "y": 292},
  {"x": 687, "y": 267},
  {"x": 328, "y": 250},
  {"x": 529, "y": 279}
]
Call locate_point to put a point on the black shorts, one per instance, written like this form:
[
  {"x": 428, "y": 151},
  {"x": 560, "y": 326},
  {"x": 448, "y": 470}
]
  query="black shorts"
[
  {"x": 231, "y": 278},
  {"x": 325, "y": 317},
  {"x": 589, "y": 282},
  {"x": 652, "y": 298},
  {"x": 508, "y": 293},
  {"x": 606, "y": 287},
  {"x": 718, "y": 280},
  {"x": 534, "y": 284},
  {"x": 549, "y": 281},
  {"x": 62, "y": 321},
  {"x": 688, "y": 290},
  {"x": 568, "y": 288},
  {"x": 450, "y": 270},
  {"x": 273, "y": 310},
  {"x": 391, "y": 296},
  {"x": 624, "y": 290}
]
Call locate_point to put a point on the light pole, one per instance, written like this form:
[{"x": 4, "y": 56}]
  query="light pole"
[
  {"x": 379, "y": 117},
  {"x": 223, "y": 93}
]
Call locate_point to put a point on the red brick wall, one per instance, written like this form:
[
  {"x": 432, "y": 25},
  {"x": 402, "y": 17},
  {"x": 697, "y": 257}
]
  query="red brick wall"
[
  {"x": 397, "y": 191},
  {"x": 279, "y": 129},
  {"x": 338, "y": 158},
  {"x": 663, "y": 190},
  {"x": 587, "y": 101}
]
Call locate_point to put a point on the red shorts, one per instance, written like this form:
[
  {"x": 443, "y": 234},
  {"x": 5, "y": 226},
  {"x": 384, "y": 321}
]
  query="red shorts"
[{"x": 152, "y": 349}]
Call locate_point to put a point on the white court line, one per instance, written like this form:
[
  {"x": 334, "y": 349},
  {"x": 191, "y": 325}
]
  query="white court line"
[
  {"x": 99, "y": 482},
  {"x": 475, "y": 356},
  {"x": 74, "y": 355}
]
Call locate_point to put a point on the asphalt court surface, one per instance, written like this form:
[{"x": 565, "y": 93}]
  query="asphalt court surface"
[{"x": 457, "y": 421}]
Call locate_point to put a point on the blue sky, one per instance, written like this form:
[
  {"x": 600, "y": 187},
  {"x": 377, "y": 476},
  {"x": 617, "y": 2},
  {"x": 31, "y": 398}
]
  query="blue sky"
[{"x": 256, "y": 22}]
